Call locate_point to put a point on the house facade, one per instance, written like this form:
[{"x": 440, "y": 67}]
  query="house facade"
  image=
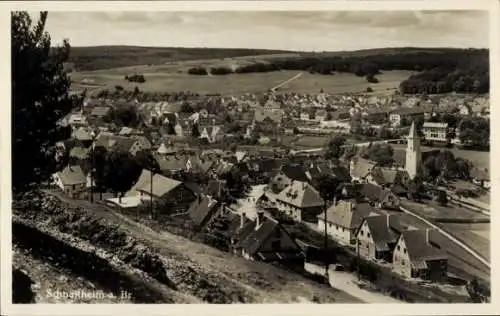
[
  {"x": 72, "y": 181},
  {"x": 263, "y": 239},
  {"x": 415, "y": 256},
  {"x": 300, "y": 201},
  {"x": 343, "y": 220},
  {"x": 376, "y": 238},
  {"x": 435, "y": 132}
]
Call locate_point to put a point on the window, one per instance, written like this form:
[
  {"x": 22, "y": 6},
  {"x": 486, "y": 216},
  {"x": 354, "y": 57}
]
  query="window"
[
  {"x": 368, "y": 235},
  {"x": 337, "y": 227},
  {"x": 399, "y": 248},
  {"x": 362, "y": 233},
  {"x": 404, "y": 250},
  {"x": 275, "y": 244},
  {"x": 402, "y": 262}
]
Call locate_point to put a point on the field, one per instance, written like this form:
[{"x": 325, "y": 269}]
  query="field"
[
  {"x": 173, "y": 77},
  {"x": 433, "y": 211},
  {"x": 474, "y": 235},
  {"x": 311, "y": 141}
]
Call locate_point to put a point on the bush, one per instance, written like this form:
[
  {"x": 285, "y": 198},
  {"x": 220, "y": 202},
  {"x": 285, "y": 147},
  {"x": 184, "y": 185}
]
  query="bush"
[
  {"x": 200, "y": 71},
  {"x": 220, "y": 70}
]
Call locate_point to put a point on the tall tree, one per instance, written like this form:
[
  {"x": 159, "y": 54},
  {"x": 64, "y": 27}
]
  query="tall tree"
[
  {"x": 40, "y": 99},
  {"x": 335, "y": 147},
  {"x": 121, "y": 172}
]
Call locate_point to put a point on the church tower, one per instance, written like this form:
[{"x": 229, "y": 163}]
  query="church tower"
[{"x": 413, "y": 153}]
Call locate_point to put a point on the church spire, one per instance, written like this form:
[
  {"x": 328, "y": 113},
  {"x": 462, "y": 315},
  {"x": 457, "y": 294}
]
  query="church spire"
[{"x": 413, "y": 153}]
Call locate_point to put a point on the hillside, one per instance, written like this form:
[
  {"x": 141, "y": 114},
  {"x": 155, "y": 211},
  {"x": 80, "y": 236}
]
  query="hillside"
[
  {"x": 86, "y": 242},
  {"x": 105, "y": 57}
]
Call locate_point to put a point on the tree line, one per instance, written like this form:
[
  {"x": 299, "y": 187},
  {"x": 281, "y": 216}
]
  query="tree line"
[{"x": 439, "y": 71}]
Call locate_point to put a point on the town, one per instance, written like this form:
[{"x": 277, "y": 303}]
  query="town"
[{"x": 379, "y": 195}]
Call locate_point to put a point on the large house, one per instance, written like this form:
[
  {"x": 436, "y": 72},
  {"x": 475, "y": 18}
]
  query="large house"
[
  {"x": 416, "y": 256},
  {"x": 262, "y": 239},
  {"x": 161, "y": 188},
  {"x": 203, "y": 210},
  {"x": 343, "y": 220},
  {"x": 404, "y": 115},
  {"x": 300, "y": 201},
  {"x": 435, "y": 132},
  {"x": 360, "y": 169},
  {"x": 378, "y": 196},
  {"x": 132, "y": 145},
  {"x": 286, "y": 175},
  {"x": 71, "y": 180},
  {"x": 377, "y": 236}
]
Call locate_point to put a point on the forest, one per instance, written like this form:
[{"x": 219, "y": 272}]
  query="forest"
[{"x": 436, "y": 71}]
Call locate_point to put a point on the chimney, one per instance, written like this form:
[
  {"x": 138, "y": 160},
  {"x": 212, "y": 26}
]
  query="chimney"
[
  {"x": 388, "y": 221},
  {"x": 242, "y": 219},
  {"x": 260, "y": 219},
  {"x": 427, "y": 236}
]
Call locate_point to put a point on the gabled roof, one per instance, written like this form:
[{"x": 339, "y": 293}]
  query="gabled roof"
[
  {"x": 362, "y": 167},
  {"x": 251, "y": 239},
  {"x": 294, "y": 172},
  {"x": 71, "y": 175},
  {"x": 300, "y": 194},
  {"x": 419, "y": 250},
  {"x": 435, "y": 125},
  {"x": 115, "y": 142},
  {"x": 82, "y": 134},
  {"x": 373, "y": 192},
  {"x": 381, "y": 232},
  {"x": 348, "y": 214},
  {"x": 171, "y": 163},
  {"x": 161, "y": 185},
  {"x": 201, "y": 209},
  {"x": 79, "y": 152}
]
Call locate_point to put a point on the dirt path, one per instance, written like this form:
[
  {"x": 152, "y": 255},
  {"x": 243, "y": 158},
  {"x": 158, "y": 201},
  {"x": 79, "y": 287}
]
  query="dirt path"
[{"x": 287, "y": 81}]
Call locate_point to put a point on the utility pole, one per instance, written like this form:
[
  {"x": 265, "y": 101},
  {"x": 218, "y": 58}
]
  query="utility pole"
[
  {"x": 151, "y": 196},
  {"x": 92, "y": 135},
  {"x": 358, "y": 263}
]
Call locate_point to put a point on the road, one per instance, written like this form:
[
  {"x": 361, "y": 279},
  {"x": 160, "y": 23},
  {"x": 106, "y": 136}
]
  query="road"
[{"x": 450, "y": 237}]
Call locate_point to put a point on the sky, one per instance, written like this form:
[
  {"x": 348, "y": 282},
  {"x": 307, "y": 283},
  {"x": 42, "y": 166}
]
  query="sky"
[{"x": 289, "y": 30}]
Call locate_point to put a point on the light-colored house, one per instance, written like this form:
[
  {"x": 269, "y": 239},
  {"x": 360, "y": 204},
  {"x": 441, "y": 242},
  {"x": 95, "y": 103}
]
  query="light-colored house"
[
  {"x": 403, "y": 115},
  {"x": 464, "y": 109},
  {"x": 300, "y": 201},
  {"x": 435, "y": 132},
  {"x": 305, "y": 116},
  {"x": 360, "y": 169},
  {"x": 71, "y": 180},
  {"x": 168, "y": 190},
  {"x": 210, "y": 133},
  {"x": 343, "y": 220},
  {"x": 377, "y": 236},
  {"x": 416, "y": 256}
]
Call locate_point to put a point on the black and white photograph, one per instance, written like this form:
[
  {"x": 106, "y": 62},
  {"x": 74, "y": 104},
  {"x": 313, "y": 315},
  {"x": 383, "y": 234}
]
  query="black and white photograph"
[{"x": 250, "y": 157}]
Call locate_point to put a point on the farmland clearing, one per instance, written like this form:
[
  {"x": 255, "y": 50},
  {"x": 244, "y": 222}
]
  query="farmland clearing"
[{"x": 173, "y": 77}]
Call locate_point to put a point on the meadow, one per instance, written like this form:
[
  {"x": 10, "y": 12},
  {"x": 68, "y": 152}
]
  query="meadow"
[{"x": 174, "y": 78}]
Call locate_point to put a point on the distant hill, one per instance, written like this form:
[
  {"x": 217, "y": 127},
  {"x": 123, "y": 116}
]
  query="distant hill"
[{"x": 105, "y": 57}]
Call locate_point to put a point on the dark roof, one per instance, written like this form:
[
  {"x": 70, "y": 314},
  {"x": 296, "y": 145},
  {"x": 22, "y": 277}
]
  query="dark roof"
[
  {"x": 294, "y": 172},
  {"x": 251, "y": 239},
  {"x": 380, "y": 228},
  {"x": 373, "y": 192},
  {"x": 202, "y": 209},
  {"x": 409, "y": 111},
  {"x": 419, "y": 249}
]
